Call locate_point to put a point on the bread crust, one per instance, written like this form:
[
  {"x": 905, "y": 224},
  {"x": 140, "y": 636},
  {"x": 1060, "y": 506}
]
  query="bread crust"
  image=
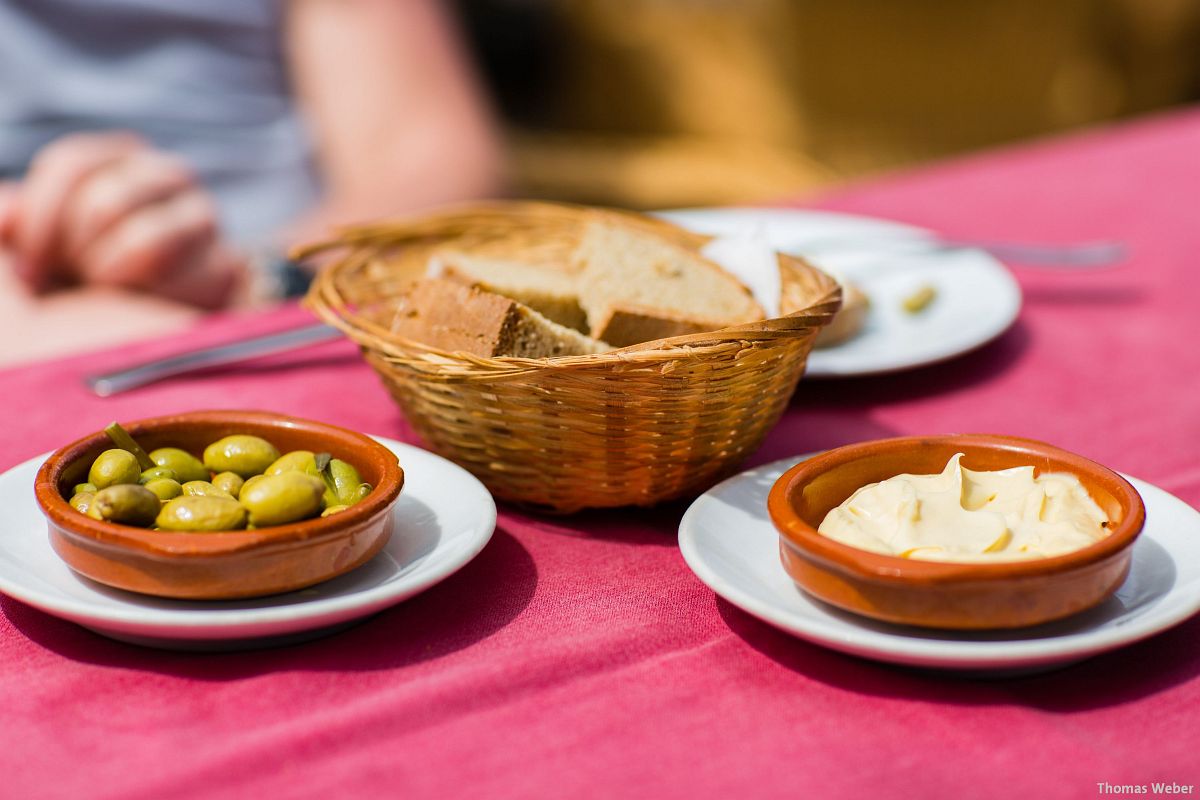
[
  {"x": 552, "y": 293},
  {"x": 457, "y": 318},
  {"x": 625, "y": 325}
]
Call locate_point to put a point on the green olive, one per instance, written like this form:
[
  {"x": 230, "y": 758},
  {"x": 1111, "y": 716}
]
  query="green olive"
[
  {"x": 83, "y": 488},
  {"x": 352, "y": 495},
  {"x": 127, "y": 503},
  {"x": 360, "y": 492},
  {"x": 204, "y": 488},
  {"x": 201, "y": 513},
  {"x": 113, "y": 467},
  {"x": 81, "y": 501},
  {"x": 229, "y": 482},
  {"x": 294, "y": 461},
  {"x": 331, "y": 510},
  {"x": 187, "y": 467},
  {"x": 164, "y": 488},
  {"x": 241, "y": 453},
  {"x": 157, "y": 473},
  {"x": 279, "y": 499},
  {"x": 253, "y": 479},
  {"x": 346, "y": 484}
]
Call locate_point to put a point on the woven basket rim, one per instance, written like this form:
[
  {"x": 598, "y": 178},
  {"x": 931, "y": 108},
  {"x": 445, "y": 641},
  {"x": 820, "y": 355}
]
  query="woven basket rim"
[{"x": 325, "y": 299}]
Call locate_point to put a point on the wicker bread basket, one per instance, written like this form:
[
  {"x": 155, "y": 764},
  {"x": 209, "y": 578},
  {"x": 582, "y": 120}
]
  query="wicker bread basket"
[{"x": 638, "y": 425}]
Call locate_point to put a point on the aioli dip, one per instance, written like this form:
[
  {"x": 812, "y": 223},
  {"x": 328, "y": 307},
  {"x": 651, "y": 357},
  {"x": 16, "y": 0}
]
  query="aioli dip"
[{"x": 963, "y": 515}]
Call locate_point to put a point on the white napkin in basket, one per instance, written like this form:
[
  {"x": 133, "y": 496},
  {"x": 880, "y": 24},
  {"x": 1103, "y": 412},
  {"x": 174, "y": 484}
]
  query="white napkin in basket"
[{"x": 749, "y": 257}]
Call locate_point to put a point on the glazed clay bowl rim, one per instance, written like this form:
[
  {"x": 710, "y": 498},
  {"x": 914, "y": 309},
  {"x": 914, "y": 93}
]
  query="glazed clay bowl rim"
[
  {"x": 201, "y": 545},
  {"x": 801, "y": 536}
]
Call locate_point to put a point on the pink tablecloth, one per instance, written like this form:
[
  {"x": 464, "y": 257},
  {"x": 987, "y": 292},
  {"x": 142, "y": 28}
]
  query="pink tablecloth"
[{"x": 580, "y": 657}]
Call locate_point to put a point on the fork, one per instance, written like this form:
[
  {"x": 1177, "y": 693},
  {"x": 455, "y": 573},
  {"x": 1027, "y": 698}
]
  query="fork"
[{"x": 1099, "y": 253}]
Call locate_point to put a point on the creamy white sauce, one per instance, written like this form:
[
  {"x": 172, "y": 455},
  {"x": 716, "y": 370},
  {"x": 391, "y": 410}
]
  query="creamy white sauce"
[{"x": 963, "y": 515}]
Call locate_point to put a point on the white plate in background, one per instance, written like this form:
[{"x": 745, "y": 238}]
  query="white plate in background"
[
  {"x": 442, "y": 519},
  {"x": 977, "y": 298},
  {"x": 728, "y": 541}
]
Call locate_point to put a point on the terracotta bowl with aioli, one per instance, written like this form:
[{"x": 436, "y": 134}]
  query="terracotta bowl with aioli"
[
  {"x": 222, "y": 564},
  {"x": 938, "y": 594}
]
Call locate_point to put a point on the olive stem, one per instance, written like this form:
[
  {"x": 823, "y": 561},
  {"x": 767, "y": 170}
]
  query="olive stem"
[{"x": 121, "y": 438}]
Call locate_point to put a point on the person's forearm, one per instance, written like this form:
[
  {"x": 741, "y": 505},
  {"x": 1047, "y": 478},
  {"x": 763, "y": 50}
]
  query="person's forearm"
[
  {"x": 401, "y": 120},
  {"x": 421, "y": 175}
]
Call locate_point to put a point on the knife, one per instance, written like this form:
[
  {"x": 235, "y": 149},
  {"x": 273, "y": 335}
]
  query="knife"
[{"x": 122, "y": 380}]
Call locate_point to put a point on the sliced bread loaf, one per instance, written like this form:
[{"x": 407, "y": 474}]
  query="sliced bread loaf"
[
  {"x": 635, "y": 286},
  {"x": 458, "y": 318},
  {"x": 551, "y": 293}
]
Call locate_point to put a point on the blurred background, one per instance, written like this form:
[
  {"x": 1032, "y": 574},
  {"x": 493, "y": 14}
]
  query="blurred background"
[
  {"x": 262, "y": 123},
  {"x": 662, "y": 103}
]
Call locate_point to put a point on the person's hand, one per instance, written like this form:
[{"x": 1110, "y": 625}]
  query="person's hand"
[
  {"x": 8, "y": 214},
  {"x": 107, "y": 209}
]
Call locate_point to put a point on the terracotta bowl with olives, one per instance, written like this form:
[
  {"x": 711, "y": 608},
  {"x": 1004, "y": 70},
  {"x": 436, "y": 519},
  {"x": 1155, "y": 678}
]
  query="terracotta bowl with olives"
[{"x": 218, "y": 504}]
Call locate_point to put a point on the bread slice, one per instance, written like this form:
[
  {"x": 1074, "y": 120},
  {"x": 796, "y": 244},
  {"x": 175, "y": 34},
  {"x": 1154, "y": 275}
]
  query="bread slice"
[
  {"x": 458, "y": 318},
  {"x": 552, "y": 293},
  {"x": 635, "y": 286},
  {"x": 850, "y": 318}
]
